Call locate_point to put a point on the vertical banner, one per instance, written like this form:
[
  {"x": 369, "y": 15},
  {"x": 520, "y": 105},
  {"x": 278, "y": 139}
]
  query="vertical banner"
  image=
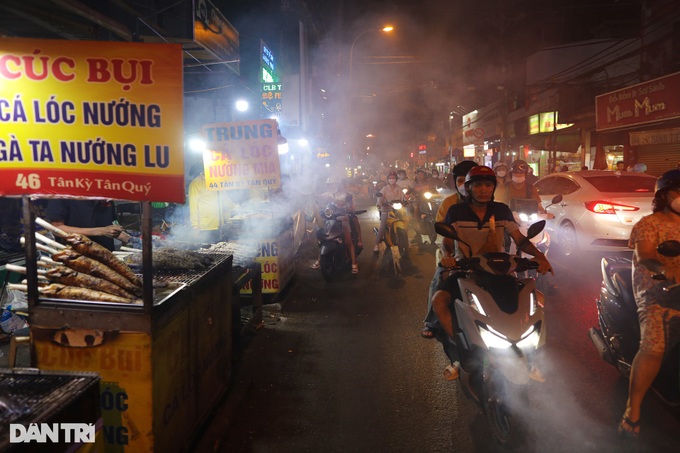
[
  {"x": 91, "y": 119},
  {"x": 241, "y": 155}
]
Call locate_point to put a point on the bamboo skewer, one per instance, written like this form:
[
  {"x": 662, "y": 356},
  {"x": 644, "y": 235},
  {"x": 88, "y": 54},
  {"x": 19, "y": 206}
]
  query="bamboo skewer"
[
  {"x": 130, "y": 249},
  {"x": 48, "y": 226},
  {"x": 48, "y": 241},
  {"x": 21, "y": 269},
  {"x": 39, "y": 246}
]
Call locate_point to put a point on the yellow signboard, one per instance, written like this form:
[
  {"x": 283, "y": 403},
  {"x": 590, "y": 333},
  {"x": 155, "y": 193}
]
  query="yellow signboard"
[
  {"x": 241, "y": 155},
  {"x": 91, "y": 119}
]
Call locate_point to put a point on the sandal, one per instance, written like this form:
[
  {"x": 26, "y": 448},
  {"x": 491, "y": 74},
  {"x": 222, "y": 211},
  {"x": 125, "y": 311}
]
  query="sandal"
[
  {"x": 427, "y": 333},
  {"x": 315, "y": 265},
  {"x": 355, "y": 268},
  {"x": 634, "y": 430},
  {"x": 376, "y": 249},
  {"x": 451, "y": 372}
]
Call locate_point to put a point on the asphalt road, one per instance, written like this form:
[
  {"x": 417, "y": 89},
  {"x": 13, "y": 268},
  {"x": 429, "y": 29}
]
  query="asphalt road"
[{"x": 341, "y": 367}]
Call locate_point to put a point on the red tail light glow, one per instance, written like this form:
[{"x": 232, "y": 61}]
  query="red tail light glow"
[{"x": 607, "y": 207}]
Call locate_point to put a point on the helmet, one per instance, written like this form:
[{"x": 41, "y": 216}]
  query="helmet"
[
  {"x": 500, "y": 163},
  {"x": 519, "y": 166},
  {"x": 392, "y": 174},
  {"x": 639, "y": 168},
  {"x": 331, "y": 180},
  {"x": 463, "y": 168},
  {"x": 669, "y": 180},
  {"x": 421, "y": 170},
  {"x": 479, "y": 173}
]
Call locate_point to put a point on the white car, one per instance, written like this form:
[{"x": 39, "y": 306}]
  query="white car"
[{"x": 598, "y": 208}]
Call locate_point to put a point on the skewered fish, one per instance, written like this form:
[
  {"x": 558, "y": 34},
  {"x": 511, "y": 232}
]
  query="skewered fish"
[
  {"x": 70, "y": 277},
  {"x": 59, "y": 291},
  {"x": 87, "y": 247},
  {"x": 170, "y": 258},
  {"x": 86, "y": 265}
]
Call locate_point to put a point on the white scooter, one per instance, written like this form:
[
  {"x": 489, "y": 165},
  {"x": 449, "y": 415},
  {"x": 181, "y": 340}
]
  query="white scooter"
[{"x": 500, "y": 327}]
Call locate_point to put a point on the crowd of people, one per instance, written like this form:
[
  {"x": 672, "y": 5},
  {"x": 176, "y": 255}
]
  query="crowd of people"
[{"x": 479, "y": 208}]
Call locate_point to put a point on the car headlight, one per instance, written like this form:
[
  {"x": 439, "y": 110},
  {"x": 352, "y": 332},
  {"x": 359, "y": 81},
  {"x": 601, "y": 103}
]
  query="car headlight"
[
  {"x": 493, "y": 338},
  {"x": 427, "y": 195},
  {"x": 397, "y": 206}
]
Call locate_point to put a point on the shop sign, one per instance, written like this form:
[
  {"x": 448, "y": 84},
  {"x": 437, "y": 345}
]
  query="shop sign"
[
  {"x": 91, "y": 119},
  {"x": 656, "y": 137},
  {"x": 241, "y": 155},
  {"x": 472, "y": 133},
  {"x": 545, "y": 122},
  {"x": 214, "y": 32},
  {"x": 643, "y": 103}
]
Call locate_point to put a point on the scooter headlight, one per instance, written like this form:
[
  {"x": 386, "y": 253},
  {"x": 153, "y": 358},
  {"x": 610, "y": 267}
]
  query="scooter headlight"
[
  {"x": 493, "y": 339},
  {"x": 529, "y": 338},
  {"x": 427, "y": 195},
  {"x": 533, "y": 217},
  {"x": 328, "y": 212},
  {"x": 397, "y": 206},
  {"x": 533, "y": 304},
  {"x": 523, "y": 217},
  {"x": 475, "y": 303}
]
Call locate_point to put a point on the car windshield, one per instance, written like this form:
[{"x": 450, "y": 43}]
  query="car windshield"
[{"x": 625, "y": 184}]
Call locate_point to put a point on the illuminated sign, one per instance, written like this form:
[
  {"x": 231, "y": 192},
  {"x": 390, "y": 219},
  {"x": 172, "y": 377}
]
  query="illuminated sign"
[
  {"x": 91, "y": 119},
  {"x": 271, "y": 88},
  {"x": 545, "y": 122}
]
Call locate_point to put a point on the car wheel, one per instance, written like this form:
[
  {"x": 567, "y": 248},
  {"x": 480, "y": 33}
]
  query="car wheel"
[{"x": 568, "y": 240}]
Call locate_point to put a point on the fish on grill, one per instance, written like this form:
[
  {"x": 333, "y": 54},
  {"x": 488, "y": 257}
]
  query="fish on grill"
[
  {"x": 170, "y": 258},
  {"x": 70, "y": 277},
  {"x": 59, "y": 291},
  {"x": 89, "y": 266},
  {"x": 85, "y": 246}
]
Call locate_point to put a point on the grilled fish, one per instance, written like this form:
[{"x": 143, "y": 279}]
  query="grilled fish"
[
  {"x": 89, "y": 266},
  {"x": 85, "y": 246},
  {"x": 70, "y": 277},
  {"x": 59, "y": 291}
]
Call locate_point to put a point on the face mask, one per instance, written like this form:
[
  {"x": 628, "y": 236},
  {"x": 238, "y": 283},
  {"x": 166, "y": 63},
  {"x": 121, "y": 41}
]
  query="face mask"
[
  {"x": 501, "y": 173},
  {"x": 519, "y": 179},
  {"x": 461, "y": 190}
]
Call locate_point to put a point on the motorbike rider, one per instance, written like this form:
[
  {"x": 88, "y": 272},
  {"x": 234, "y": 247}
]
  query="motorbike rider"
[
  {"x": 473, "y": 220},
  {"x": 338, "y": 194},
  {"x": 389, "y": 193},
  {"x": 518, "y": 187},
  {"x": 501, "y": 170},
  {"x": 402, "y": 180},
  {"x": 658, "y": 311},
  {"x": 459, "y": 172}
]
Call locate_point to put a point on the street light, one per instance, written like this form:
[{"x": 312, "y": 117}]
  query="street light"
[{"x": 385, "y": 29}]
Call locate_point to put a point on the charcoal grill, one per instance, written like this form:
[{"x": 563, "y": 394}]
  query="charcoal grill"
[{"x": 32, "y": 396}]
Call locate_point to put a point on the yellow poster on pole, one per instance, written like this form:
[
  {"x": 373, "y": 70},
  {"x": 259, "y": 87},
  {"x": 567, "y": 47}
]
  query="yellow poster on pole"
[{"x": 241, "y": 155}]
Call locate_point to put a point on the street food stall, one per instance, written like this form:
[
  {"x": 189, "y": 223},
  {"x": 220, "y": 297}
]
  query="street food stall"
[
  {"x": 106, "y": 124},
  {"x": 244, "y": 155}
]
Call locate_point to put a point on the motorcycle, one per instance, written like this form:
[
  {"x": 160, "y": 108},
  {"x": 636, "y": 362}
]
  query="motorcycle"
[
  {"x": 617, "y": 336},
  {"x": 333, "y": 252},
  {"x": 525, "y": 212},
  {"x": 500, "y": 327},
  {"x": 424, "y": 217},
  {"x": 396, "y": 232}
]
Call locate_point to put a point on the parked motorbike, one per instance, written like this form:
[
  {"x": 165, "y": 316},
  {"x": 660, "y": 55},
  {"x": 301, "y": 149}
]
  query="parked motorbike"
[
  {"x": 424, "y": 216},
  {"x": 617, "y": 336},
  {"x": 333, "y": 252},
  {"x": 500, "y": 328},
  {"x": 396, "y": 233}
]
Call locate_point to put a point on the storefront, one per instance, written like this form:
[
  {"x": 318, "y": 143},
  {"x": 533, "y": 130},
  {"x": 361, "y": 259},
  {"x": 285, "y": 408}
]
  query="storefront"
[{"x": 647, "y": 116}]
